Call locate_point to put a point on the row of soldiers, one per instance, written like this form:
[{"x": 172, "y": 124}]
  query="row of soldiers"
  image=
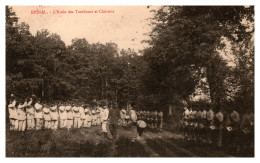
[
  {"x": 226, "y": 129},
  {"x": 31, "y": 114},
  {"x": 153, "y": 119}
]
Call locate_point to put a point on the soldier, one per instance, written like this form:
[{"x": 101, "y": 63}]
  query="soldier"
[
  {"x": 104, "y": 114},
  {"x": 203, "y": 124},
  {"x": 38, "y": 115},
  {"x": 69, "y": 116},
  {"x": 63, "y": 116},
  {"x": 247, "y": 130},
  {"x": 133, "y": 118},
  {"x": 47, "y": 117},
  {"x": 219, "y": 118},
  {"x": 94, "y": 117},
  {"x": 151, "y": 118},
  {"x": 13, "y": 113},
  {"x": 54, "y": 117},
  {"x": 160, "y": 115},
  {"x": 113, "y": 116},
  {"x": 76, "y": 116},
  {"x": 82, "y": 115},
  {"x": 87, "y": 122},
  {"x": 140, "y": 128},
  {"x": 21, "y": 115},
  {"x": 98, "y": 116},
  {"x": 155, "y": 118},
  {"x": 196, "y": 125},
  {"x": 235, "y": 121},
  {"x": 209, "y": 124},
  {"x": 30, "y": 112}
]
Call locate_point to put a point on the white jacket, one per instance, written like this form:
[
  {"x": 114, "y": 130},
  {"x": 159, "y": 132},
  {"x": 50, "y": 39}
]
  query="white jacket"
[{"x": 104, "y": 114}]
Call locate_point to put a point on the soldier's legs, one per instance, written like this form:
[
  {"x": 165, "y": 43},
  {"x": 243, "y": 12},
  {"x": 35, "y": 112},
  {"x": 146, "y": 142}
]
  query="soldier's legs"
[
  {"x": 16, "y": 124},
  {"x": 24, "y": 125},
  {"x": 20, "y": 124},
  {"x": 37, "y": 120},
  {"x": 78, "y": 122}
]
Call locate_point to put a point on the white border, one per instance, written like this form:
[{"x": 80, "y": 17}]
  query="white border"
[{"x": 116, "y": 2}]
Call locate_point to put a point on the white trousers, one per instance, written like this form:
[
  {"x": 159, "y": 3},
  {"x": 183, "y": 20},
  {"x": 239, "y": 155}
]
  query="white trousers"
[
  {"x": 30, "y": 124},
  {"x": 47, "y": 124},
  {"x": 77, "y": 122},
  {"x": 63, "y": 123},
  {"x": 21, "y": 125}
]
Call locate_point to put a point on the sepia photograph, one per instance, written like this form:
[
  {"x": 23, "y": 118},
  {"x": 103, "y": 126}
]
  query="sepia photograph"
[{"x": 130, "y": 81}]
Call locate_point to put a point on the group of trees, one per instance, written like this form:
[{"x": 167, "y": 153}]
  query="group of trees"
[{"x": 184, "y": 41}]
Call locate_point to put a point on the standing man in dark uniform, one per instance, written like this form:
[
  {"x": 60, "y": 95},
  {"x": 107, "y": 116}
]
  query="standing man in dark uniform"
[{"x": 113, "y": 116}]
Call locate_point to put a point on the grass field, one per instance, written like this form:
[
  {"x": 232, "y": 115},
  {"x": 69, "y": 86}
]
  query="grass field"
[{"x": 90, "y": 143}]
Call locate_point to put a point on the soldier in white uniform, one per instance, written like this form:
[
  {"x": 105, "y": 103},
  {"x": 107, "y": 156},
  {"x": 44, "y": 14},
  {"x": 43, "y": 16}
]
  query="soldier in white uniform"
[
  {"x": 94, "y": 117},
  {"x": 22, "y": 116},
  {"x": 30, "y": 112},
  {"x": 13, "y": 114},
  {"x": 104, "y": 117},
  {"x": 76, "y": 117},
  {"x": 63, "y": 116},
  {"x": 38, "y": 115},
  {"x": 54, "y": 117},
  {"x": 82, "y": 115},
  {"x": 46, "y": 117},
  {"x": 69, "y": 117},
  {"x": 87, "y": 122},
  {"x": 133, "y": 118}
]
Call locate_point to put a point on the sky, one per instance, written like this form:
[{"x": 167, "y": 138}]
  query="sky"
[{"x": 124, "y": 25}]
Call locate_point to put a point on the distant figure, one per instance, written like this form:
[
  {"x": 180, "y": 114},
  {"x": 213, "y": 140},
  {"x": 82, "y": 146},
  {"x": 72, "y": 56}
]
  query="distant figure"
[
  {"x": 219, "y": 118},
  {"x": 87, "y": 122},
  {"x": 54, "y": 117},
  {"x": 21, "y": 115},
  {"x": 76, "y": 117},
  {"x": 82, "y": 115},
  {"x": 38, "y": 115},
  {"x": 133, "y": 118},
  {"x": 63, "y": 116},
  {"x": 13, "y": 113},
  {"x": 104, "y": 117},
  {"x": 46, "y": 117},
  {"x": 30, "y": 112},
  {"x": 113, "y": 116},
  {"x": 69, "y": 117},
  {"x": 160, "y": 115}
]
